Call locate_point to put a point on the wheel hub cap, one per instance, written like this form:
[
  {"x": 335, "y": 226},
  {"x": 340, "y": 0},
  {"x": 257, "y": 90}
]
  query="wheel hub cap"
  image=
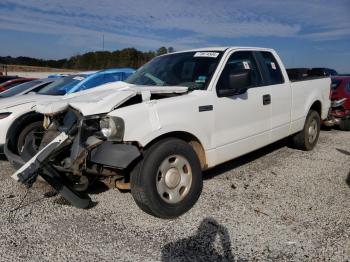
[
  {"x": 172, "y": 178},
  {"x": 312, "y": 131}
]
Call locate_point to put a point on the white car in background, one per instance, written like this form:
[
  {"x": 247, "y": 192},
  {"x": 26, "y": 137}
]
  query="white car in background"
[{"x": 18, "y": 119}]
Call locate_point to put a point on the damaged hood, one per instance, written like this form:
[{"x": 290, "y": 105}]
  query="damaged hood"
[{"x": 106, "y": 98}]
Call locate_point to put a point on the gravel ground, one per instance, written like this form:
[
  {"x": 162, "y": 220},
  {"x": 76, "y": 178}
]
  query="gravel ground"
[{"x": 274, "y": 204}]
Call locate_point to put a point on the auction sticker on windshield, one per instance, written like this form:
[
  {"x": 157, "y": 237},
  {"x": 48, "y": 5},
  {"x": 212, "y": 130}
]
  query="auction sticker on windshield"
[{"x": 206, "y": 54}]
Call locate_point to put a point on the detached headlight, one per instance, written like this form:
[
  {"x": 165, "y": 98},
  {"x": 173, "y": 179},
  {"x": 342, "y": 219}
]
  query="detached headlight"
[{"x": 112, "y": 128}]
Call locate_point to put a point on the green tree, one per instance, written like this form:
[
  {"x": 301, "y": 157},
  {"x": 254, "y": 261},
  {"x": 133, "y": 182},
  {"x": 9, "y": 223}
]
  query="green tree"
[
  {"x": 171, "y": 49},
  {"x": 161, "y": 51}
]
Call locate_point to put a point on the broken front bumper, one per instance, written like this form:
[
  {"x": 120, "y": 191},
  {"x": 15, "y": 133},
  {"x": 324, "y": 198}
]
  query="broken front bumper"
[{"x": 39, "y": 165}]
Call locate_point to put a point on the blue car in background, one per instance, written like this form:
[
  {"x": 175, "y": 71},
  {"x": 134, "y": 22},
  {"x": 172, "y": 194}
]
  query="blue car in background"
[{"x": 84, "y": 81}]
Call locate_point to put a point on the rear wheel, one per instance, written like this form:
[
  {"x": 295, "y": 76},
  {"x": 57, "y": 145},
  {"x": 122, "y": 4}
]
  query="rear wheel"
[
  {"x": 345, "y": 124},
  {"x": 167, "y": 182},
  {"x": 307, "y": 138}
]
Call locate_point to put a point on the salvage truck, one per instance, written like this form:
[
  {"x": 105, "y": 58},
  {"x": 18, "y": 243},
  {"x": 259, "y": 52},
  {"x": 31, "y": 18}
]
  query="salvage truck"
[{"x": 178, "y": 115}]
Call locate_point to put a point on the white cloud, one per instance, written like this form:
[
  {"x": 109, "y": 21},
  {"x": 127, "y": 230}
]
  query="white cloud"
[{"x": 182, "y": 24}]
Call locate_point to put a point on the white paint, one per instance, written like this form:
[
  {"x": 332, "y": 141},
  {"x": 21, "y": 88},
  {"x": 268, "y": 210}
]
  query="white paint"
[{"x": 59, "y": 140}]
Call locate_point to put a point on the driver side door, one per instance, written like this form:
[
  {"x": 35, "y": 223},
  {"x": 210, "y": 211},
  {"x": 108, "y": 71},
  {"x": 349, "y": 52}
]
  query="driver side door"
[{"x": 242, "y": 117}]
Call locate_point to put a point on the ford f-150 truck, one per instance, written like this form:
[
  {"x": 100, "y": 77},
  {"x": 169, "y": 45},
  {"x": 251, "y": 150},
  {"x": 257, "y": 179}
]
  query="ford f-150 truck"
[{"x": 178, "y": 115}]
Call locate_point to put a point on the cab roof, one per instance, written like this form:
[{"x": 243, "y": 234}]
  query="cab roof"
[{"x": 224, "y": 48}]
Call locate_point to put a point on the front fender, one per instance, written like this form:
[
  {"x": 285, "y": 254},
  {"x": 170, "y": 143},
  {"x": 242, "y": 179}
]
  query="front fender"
[{"x": 145, "y": 122}]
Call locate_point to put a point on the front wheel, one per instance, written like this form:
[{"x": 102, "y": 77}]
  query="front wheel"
[
  {"x": 307, "y": 138},
  {"x": 167, "y": 182},
  {"x": 33, "y": 134}
]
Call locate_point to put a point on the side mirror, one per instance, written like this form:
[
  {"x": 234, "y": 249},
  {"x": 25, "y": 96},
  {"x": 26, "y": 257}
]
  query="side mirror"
[{"x": 238, "y": 83}]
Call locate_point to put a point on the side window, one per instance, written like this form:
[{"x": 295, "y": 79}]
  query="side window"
[
  {"x": 115, "y": 77},
  {"x": 243, "y": 65},
  {"x": 272, "y": 69}
]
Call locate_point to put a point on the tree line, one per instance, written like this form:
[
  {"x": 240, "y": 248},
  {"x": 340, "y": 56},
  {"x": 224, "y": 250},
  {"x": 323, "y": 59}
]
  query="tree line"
[{"x": 127, "y": 57}]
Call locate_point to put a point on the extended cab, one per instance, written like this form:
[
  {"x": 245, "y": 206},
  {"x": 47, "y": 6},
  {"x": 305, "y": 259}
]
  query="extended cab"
[{"x": 178, "y": 115}]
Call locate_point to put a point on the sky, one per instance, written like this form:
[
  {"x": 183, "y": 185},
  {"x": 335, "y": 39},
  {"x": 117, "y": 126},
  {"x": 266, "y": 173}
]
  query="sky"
[{"x": 313, "y": 33}]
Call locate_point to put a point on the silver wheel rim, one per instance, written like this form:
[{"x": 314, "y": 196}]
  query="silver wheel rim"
[
  {"x": 174, "y": 179},
  {"x": 312, "y": 131}
]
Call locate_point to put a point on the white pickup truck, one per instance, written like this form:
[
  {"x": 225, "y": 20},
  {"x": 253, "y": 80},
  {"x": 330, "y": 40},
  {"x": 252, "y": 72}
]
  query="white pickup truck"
[{"x": 178, "y": 115}]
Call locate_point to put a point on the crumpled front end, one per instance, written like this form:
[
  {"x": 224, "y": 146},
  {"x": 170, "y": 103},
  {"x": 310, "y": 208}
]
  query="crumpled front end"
[
  {"x": 77, "y": 150},
  {"x": 83, "y": 143}
]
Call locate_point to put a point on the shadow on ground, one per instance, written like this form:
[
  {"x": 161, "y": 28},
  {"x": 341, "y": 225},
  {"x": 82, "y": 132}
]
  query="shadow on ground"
[
  {"x": 240, "y": 161},
  {"x": 97, "y": 187},
  {"x": 210, "y": 243},
  {"x": 348, "y": 179},
  {"x": 347, "y": 153}
]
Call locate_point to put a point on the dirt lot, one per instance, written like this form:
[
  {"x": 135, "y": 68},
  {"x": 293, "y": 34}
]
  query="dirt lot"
[{"x": 274, "y": 204}]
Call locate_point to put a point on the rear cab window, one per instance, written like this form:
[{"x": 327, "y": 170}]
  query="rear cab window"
[{"x": 270, "y": 68}]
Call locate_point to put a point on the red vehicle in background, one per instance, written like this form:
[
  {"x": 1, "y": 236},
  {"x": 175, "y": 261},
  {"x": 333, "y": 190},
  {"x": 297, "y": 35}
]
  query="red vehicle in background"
[
  {"x": 339, "y": 113},
  {"x": 13, "y": 82}
]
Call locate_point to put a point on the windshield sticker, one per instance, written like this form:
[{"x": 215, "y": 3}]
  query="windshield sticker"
[
  {"x": 79, "y": 78},
  {"x": 201, "y": 79},
  {"x": 273, "y": 65},
  {"x": 206, "y": 54},
  {"x": 246, "y": 65}
]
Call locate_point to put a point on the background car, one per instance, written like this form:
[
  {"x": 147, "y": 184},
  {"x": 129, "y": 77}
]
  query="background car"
[
  {"x": 75, "y": 83},
  {"x": 25, "y": 88},
  {"x": 13, "y": 82},
  {"x": 18, "y": 119},
  {"x": 6, "y": 78},
  {"x": 340, "y": 97}
]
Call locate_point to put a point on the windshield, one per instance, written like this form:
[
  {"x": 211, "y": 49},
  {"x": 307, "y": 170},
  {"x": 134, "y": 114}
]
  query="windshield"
[
  {"x": 61, "y": 86},
  {"x": 20, "y": 88},
  {"x": 190, "y": 69}
]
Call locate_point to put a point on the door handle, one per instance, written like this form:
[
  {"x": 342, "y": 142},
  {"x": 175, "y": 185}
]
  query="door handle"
[{"x": 266, "y": 100}]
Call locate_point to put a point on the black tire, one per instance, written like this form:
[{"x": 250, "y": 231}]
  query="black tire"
[
  {"x": 301, "y": 140},
  {"x": 145, "y": 178},
  {"x": 28, "y": 130},
  {"x": 344, "y": 124}
]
